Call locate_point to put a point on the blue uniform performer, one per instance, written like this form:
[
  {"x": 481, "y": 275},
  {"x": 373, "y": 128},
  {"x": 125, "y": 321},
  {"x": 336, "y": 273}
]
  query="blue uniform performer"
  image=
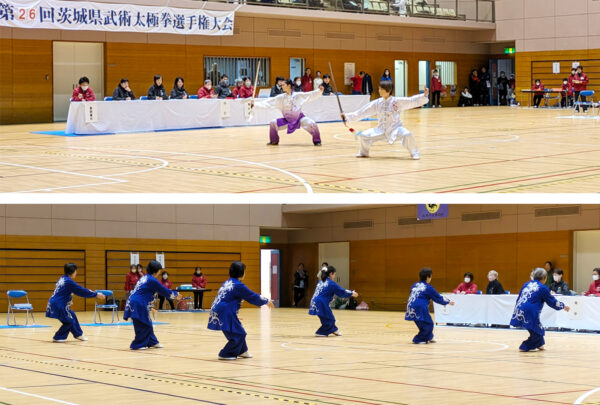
[
  {"x": 319, "y": 304},
  {"x": 529, "y": 305},
  {"x": 224, "y": 309},
  {"x": 59, "y": 305},
  {"x": 141, "y": 302}
]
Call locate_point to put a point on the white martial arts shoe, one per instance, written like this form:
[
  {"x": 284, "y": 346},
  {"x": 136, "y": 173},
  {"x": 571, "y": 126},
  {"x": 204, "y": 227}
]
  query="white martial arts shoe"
[
  {"x": 419, "y": 343},
  {"x": 431, "y": 341},
  {"x": 156, "y": 346},
  {"x": 360, "y": 155},
  {"x": 139, "y": 348},
  {"x": 319, "y": 335},
  {"x": 246, "y": 355},
  {"x": 541, "y": 348},
  {"x": 415, "y": 156},
  {"x": 227, "y": 358},
  {"x": 337, "y": 333},
  {"x": 59, "y": 340},
  {"x": 82, "y": 338}
]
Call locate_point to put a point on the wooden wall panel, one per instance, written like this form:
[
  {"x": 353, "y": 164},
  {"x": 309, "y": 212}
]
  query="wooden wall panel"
[
  {"x": 95, "y": 270},
  {"x": 291, "y": 255},
  {"x": 6, "y": 80}
]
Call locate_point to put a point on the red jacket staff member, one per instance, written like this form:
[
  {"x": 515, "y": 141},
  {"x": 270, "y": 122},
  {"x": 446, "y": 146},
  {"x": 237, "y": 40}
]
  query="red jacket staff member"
[
  {"x": 83, "y": 92},
  {"x": 580, "y": 82},
  {"x": 164, "y": 280},
  {"x": 207, "y": 91},
  {"x": 198, "y": 281},
  {"x": 307, "y": 81},
  {"x": 245, "y": 91},
  {"x": 436, "y": 89},
  {"x": 131, "y": 279},
  {"x": 538, "y": 94},
  {"x": 594, "y": 289},
  {"x": 468, "y": 287},
  {"x": 356, "y": 84}
]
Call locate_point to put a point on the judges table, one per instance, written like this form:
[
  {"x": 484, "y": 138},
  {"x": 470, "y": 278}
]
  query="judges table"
[
  {"x": 99, "y": 117},
  {"x": 498, "y": 309}
]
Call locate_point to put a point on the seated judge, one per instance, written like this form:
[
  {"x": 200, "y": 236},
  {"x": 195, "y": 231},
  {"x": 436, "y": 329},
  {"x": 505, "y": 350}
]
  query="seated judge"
[
  {"x": 494, "y": 287},
  {"x": 558, "y": 285},
  {"x": 207, "y": 91},
  {"x": 83, "y": 92},
  {"x": 123, "y": 92},
  {"x": 157, "y": 90},
  {"x": 468, "y": 286}
]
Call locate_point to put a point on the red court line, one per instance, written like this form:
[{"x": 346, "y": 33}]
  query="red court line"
[
  {"x": 520, "y": 180},
  {"x": 461, "y": 166},
  {"x": 269, "y": 188},
  {"x": 551, "y": 393}
]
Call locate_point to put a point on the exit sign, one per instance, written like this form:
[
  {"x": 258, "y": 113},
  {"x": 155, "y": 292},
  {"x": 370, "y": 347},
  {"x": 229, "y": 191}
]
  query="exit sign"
[
  {"x": 509, "y": 50},
  {"x": 265, "y": 239}
]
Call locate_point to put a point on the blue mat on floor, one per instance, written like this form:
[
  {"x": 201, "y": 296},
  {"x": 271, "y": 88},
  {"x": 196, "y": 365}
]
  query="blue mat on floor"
[
  {"x": 63, "y": 133},
  {"x": 119, "y": 324},
  {"x": 22, "y": 326}
]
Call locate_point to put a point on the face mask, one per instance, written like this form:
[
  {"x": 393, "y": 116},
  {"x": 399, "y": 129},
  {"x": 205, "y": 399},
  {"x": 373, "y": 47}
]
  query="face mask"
[
  {"x": 298, "y": 82},
  {"x": 436, "y": 75},
  {"x": 165, "y": 277},
  {"x": 324, "y": 268},
  {"x": 467, "y": 280},
  {"x": 565, "y": 82},
  {"x": 248, "y": 84},
  {"x": 595, "y": 277},
  {"x": 84, "y": 88},
  {"x": 225, "y": 82},
  {"x": 537, "y": 83},
  {"x": 556, "y": 278},
  {"x": 208, "y": 86}
]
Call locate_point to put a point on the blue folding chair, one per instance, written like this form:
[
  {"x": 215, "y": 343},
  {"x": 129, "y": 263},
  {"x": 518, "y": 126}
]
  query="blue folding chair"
[
  {"x": 194, "y": 96},
  {"x": 578, "y": 104},
  {"x": 144, "y": 98},
  {"x": 108, "y": 98},
  {"x": 24, "y": 306},
  {"x": 507, "y": 292},
  {"x": 114, "y": 307}
]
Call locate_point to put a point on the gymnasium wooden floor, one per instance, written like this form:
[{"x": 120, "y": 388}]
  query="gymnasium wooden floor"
[
  {"x": 493, "y": 149},
  {"x": 373, "y": 363}
]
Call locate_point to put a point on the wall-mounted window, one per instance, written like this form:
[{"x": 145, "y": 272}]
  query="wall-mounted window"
[
  {"x": 216, "y": 66},
  {"x": 447, "y": 72}
]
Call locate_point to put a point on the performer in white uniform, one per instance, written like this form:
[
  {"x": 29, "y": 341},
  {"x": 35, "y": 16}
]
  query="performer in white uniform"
[
  {"x": 387, "y": 109},
  {"x": 290, "y": 105}
]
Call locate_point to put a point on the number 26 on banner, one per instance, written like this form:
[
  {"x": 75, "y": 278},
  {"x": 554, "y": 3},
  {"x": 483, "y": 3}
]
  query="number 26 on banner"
[{"x": 27, "y": 14}]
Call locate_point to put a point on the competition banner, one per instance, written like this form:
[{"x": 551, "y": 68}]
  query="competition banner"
[
  {"x": 76, "y": 15},
  {"x": 432, "y": 211}
]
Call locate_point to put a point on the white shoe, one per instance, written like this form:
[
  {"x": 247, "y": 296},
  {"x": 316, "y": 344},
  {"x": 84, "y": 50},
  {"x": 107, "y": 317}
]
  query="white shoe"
[
  {"x": 59, "y": 340},
  {"x": 360, "y": 155},
  {"x": 156, "y": 346},
  {"x": 431, "y": 341},
  {"x": 337, "y": 333},
  {"x": 246, "y": 355},
  {"x": 432, "y": 106},
  {"x": 419, "y": 343},
  {"x": 319, "y": 335},
  {"x": 227, "y": 358},
  {"x": 141, "y": 348},
  {"x": 541, "y": 347},
  {"x": 415, "y": 156},
  {"x": 82, "y": 338}
]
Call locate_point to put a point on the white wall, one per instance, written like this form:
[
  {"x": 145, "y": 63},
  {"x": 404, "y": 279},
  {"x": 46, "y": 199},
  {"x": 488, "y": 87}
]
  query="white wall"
[
  {"x": 586, "y": 257},
  {"x": 337, "y": 255}
]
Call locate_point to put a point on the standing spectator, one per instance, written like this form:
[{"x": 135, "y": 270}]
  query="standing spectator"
[
  {"x": 131, "y": 279},
  {"x": 239, "y": 84},
  {"x": 386, "y": 77},
  {"x": 300, "y": 283},
  {"x": 356, "y": 84},
  {"x": 466, "y": 98},
  {"x": 223, "y": 91},
  {"x": 327, "y": 89},
  {"x": 318, "y": 80},
  {"x": 572, "y": 77},
  {"x": 511, "y": 85},
  {"x": 485, "y": 85},
  {"x": 468, "y": 286},
  {"x": 157, "y": 90},
  {"x": 494, "y": 287},
  {"x": 206, "y": 91},
  {"x": 278, "y": 88},
  {"x": 307, "y": 81},
  {"x": 594, "y": 289},
  {"x": 297, "y": 86},
  {"x": 566, "y": 94},
  {"x": 549, "y": 267},
  {"x": 558, "y": 285},
  {"x": 474, "y": 86},
  {"x": 367, "y": 84},
  {"x": 178, "y": 92},
  {"x": 83, "y": 92},
  {"x": 198, "y": 281},
  {"x": 140, "y": 270},
  {"x": 164, "y": 280},
  {"x": 580, "y": 82},
  {"x": 436, "y": 89},
  {"x": 123, "y": 92},
  {"x": 538, "y": 95},
  {"x": 502, "y": 84}
]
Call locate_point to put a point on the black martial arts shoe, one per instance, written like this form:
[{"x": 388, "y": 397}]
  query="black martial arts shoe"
[
  {"x": 317, "y": 143},
  {"x": 272, "y": 144}
]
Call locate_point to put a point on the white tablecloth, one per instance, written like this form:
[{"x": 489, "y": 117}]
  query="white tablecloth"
[
  {"x": 151, "y": 115},
  {"x": 498, "y": 309}
]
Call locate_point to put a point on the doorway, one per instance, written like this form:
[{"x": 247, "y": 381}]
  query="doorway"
[
  {"x": 296, "y": 67},
  {"x": 72, "y": 60},
  {"x": 424, "y": 75},
  {"x": 337, "y": 254},
  {"x": 400, "y": 77},
  {"x": 270, "y": 269}
]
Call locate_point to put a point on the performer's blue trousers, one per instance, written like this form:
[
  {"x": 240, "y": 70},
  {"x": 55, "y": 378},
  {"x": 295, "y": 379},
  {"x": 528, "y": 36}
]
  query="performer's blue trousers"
[
  {"x": 425, "y": 332},
  {"x": 144, "y": 335},
  {"x": 236, "y": 344},
  {"x": 534, "y": 341},
  {"x": 327, "y": 326},
  {"x": 68, "y": 325}
]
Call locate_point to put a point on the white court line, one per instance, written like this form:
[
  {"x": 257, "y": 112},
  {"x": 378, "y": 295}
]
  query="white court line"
[
  {"x": 584, "y": 396},
  {"x": 304, "y": 183},
  {"x": 37, "y": 396}
]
